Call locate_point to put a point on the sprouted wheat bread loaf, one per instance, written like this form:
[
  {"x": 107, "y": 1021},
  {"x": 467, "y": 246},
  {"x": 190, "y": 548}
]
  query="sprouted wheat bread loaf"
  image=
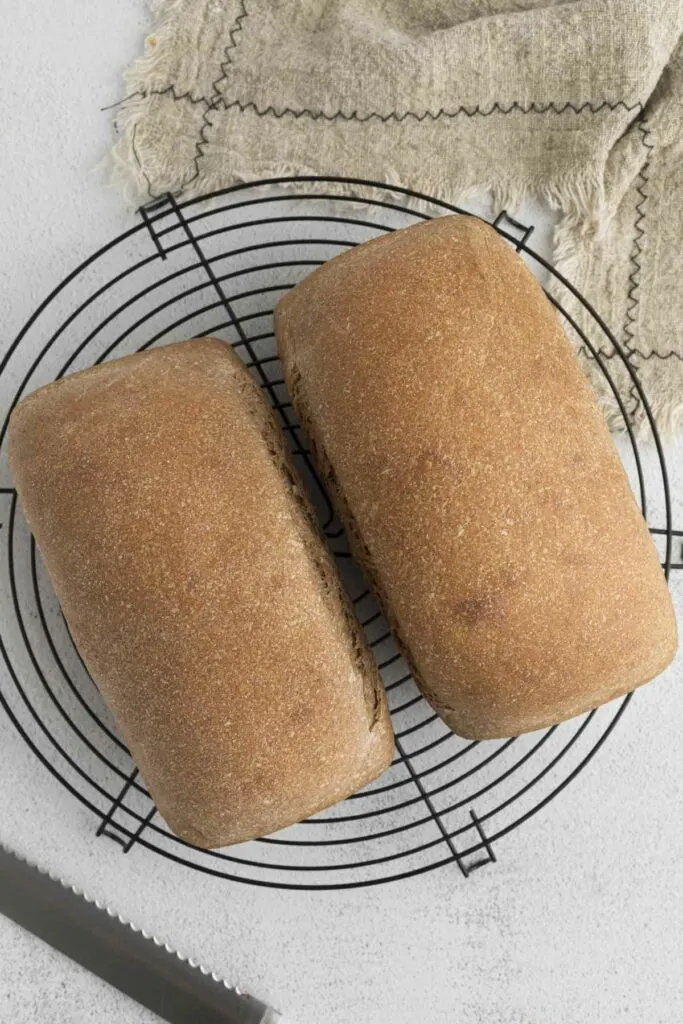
[
  {"x": 198, "y": 591},
  {"x": 476, "y": 477}
]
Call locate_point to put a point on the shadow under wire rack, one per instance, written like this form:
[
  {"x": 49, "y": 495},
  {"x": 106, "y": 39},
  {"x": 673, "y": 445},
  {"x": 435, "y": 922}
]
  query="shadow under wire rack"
[{"x": 216, "y": 265}]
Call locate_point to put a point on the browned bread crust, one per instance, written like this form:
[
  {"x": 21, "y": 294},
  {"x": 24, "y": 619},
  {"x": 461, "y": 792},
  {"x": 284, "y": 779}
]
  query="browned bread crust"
[
  {"x": 199, "y": 592},
  {"x": 480, "y": 486}
]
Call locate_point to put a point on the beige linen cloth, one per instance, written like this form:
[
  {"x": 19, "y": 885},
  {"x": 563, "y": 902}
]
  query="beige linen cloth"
[{"x": 579, "y": 102}]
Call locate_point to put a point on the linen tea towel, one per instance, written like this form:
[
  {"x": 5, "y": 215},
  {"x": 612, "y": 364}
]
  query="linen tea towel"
[{"x": 578, "y": 102}]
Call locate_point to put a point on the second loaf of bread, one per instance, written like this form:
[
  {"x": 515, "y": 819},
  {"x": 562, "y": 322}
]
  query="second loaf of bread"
[
  {"x": 479, "y": 484},
  {"x": 198, "y": 592}
]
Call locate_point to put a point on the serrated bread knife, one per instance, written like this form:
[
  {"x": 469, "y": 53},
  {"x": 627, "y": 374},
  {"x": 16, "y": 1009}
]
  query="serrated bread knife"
[{"x": 178, "y": 990}]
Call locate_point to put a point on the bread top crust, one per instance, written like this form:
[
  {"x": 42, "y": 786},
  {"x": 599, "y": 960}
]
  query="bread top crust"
[
  {"x": 197, "y": 590},
  {"x": 474, "y": 467}
]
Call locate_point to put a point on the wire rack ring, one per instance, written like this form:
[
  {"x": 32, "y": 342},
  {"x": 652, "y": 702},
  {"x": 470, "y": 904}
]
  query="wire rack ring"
[{"x": 216, "y": 265}]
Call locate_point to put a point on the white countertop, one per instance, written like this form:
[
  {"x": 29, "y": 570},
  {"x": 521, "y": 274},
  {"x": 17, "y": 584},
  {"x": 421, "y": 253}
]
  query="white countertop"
[{"x": 580, "y": 920}]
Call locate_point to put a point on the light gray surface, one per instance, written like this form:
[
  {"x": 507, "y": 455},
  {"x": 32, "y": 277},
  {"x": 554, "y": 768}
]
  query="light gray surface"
[{"x": 580, "y": 920}]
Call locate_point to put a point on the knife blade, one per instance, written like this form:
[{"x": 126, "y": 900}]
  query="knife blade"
[{"x": 175, "y": 988}]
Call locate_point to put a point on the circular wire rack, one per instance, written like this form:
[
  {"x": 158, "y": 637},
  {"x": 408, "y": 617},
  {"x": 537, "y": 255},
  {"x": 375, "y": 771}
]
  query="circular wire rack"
[{"x": 216, "y": 265}]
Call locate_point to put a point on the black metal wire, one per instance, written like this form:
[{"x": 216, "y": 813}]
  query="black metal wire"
[{"x": 177, "y": 231}]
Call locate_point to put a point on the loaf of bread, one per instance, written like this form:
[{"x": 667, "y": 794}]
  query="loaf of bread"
[
  {"x": 198, "y": 590},
  {"x": 476, "y": 478}
]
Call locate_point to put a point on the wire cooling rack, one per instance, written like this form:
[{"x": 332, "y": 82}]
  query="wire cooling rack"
[{"x": 216, "y": 266}]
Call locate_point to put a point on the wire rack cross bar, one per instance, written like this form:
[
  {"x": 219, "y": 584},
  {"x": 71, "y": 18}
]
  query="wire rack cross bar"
[
  {"x": 491, "y": 857},
  {"x": 660, "y": 531},
  {"x": 145, "y": 214},
  {"x": 466, "y": 869},
  {"x": 526, "y": 229},
  {"x": 109, "y": 826}
]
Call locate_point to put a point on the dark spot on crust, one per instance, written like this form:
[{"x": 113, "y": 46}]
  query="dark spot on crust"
[
  {"x": 302, "y": 713},
  {"x": 492, "y": 602},
  {"x": 476, "y": 609}
]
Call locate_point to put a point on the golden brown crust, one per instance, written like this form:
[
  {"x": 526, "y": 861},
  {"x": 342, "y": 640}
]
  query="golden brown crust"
[
  {"x": 481, "y": 487},
  {"x": 199, "y": 593}
]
